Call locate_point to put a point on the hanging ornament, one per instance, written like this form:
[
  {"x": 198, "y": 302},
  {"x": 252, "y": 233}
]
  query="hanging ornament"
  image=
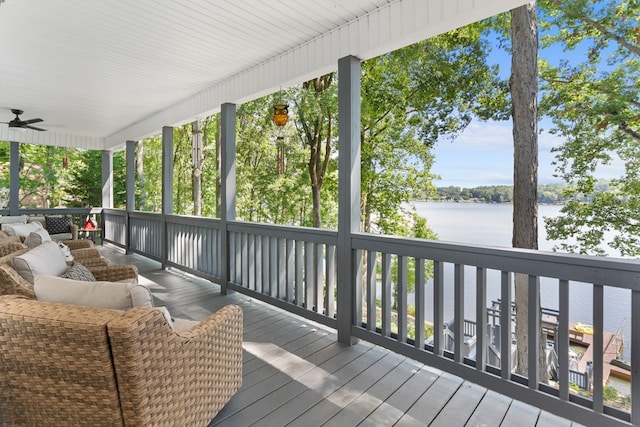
[{"x": 280, "y": 118}]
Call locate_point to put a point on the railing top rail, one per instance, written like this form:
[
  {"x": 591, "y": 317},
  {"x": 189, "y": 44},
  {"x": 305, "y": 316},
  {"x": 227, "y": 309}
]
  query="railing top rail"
[
  {"x": 624, "y": 273},
  {"x": 314, "y": 235}
]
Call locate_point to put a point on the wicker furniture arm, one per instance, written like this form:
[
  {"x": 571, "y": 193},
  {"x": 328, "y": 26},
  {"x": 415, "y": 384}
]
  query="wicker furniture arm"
[
  {"x": 74, "y": 231},
  {"x": 78, "y": 244},
  {"x": 164, "y": 376},
  {"x": 113, "y": 273},
  {"x": 56, "y": 366},
  {"x": 89, "y": 257}
]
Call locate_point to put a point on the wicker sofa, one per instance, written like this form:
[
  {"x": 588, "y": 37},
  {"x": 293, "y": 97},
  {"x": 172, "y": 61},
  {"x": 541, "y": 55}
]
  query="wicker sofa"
[
  {"x": 12, "y": 283},
  {"x": 63, "y": 364}
]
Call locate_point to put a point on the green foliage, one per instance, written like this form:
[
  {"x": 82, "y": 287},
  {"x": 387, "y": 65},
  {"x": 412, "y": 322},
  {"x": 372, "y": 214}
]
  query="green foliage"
[
  {"x": 547, "y": 193},
  {"x": 609, "y": 393},
  {"x": 592, "y": 99}
]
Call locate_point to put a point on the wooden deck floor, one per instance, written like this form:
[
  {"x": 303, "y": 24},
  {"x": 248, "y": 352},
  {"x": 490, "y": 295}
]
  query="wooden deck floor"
[{"x": 295, "y": 373}]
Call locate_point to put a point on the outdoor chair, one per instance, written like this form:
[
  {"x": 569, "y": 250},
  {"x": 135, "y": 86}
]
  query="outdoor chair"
[{"x": 65, "y": 364}]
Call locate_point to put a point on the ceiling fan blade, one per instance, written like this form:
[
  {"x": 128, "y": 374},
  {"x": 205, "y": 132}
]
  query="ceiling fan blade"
[
  {"x": 34, "y": 128},
  {"x": 30, "y": 121}
]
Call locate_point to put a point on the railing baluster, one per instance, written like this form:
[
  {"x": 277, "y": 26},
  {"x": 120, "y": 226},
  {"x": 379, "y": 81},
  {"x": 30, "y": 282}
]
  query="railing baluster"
[
  {"x": 308, "y": 276},
  {"x": 266, "y": 266},
  {"x": 505, "y": 325},
  {"x": 533, "y": 312},
  {"x": 251, "y": 266},
  {"x": 238, "y": 260},
  {"x": 598, "y": 346},
  {"x": 438, "y": 306},
  {"x": 562, "y": 340},
  {"x": 282, "y": 270},
  {"x": 299, "y": 273},
  {"x": 290, "y": 276},
  {"x": 402, "y": 299},
  {"x": 357, "y": 291},
  {"x": 331, "y": 280},
  {"x": 458, "y": 313},
  {"x": 481, "y": 318},
  {"x": 318, "y": 297},
  {"x": 386, "y": 294},
  {"x": 245, "y": 261},
  {"x": 273, "y": 267},
  {"x": 258, "y": 262},
  {"x": 371, "y": 290},
  {"x": 231, "y": 258},
  {"x": 419, "y": 301}
]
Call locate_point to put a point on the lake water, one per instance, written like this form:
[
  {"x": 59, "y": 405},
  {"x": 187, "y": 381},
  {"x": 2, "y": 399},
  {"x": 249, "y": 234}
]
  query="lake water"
[{"x": 491, "y": 225}]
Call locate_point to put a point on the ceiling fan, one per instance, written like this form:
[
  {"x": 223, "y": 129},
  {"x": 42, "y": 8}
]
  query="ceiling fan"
[{"x": 18, "y": 123}]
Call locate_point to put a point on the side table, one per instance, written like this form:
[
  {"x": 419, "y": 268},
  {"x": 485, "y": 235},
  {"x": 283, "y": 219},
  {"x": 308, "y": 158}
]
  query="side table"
[{"x": 89, "y": 233}]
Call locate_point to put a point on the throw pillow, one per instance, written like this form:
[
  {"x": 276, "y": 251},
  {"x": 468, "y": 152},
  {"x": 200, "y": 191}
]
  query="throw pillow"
[
  {"x": 3, "y": 235},
  {"x": 79, "y": 272},
  {"x": 57, "y": 224},
  {"x": 21, "y": 229},
  {"x": 66, "y": 252},
  {"x": 35, "y": 238},
  {"x": 16, "y": 219},
  {"x": 43, "y": 260},
  {"x": 92, "y": 294}
]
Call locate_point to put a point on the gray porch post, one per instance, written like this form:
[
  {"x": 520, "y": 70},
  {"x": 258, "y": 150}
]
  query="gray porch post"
[
  {"x": 107, "y": 179},
  {"x": 167, "y": 184},
  {"x": 348, "y": 194},
  {"x": 130, "y": 186},
  {"x": 228, "y": 187},
  {"x": 14, "y": 178}
]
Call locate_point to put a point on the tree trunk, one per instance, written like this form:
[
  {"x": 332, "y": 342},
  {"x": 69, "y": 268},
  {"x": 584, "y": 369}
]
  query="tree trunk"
[
  {"x": 524, "y": 92},
  {"x": 318, "y": 127}
]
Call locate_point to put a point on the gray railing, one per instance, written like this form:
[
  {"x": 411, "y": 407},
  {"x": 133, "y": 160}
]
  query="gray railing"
[
  {"x": 446, "y": 297},
  {"x": 295, "y": 269}
]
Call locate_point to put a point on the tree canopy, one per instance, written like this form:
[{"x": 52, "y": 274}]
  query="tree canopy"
[{"x": 592, "y": 97}]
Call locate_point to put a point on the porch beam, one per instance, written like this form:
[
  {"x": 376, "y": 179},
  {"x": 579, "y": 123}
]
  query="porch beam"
[
  {"x": 228, "y": 185},
  {"x": 348, "y": 194},
  {"x": 14, "y": 178}
]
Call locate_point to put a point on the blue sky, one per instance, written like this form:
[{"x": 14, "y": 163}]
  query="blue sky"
[{"x": 483, "y": 155}]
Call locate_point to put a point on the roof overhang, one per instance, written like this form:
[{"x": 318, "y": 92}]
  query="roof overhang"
[{"x": 102, "y": 73}]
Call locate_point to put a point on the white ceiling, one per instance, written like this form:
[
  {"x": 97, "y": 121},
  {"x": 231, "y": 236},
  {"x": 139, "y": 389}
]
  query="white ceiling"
[{"x": 103, "y": 72}]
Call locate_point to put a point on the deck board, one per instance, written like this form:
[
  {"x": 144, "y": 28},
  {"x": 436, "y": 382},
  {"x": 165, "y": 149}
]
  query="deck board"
[{"x": 296, "y": 373}]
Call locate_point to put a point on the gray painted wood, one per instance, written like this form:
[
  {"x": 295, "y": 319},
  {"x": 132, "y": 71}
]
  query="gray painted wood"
[
  {"x": 348, "y": 190},
  {"x": 14, "y": 178},
  {"x": 296, "y": 372},
  {"x": 107, "y": 179}
]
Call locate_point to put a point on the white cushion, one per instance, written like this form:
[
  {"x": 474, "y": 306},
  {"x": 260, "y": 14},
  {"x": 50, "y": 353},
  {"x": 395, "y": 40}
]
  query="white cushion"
[
  {"x": 43, "y": 260},
  {"x": 15, "y": 219},
  {"x": 121, "y": 296},
  {"x": 35, "y": 238},
  {"x": 178, "y": 325},
  {"x": 22, "y": 230}
]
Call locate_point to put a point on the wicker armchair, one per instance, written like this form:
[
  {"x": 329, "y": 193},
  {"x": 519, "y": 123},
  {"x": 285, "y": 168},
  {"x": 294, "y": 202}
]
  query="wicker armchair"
[{"x": 63, "y": 364}]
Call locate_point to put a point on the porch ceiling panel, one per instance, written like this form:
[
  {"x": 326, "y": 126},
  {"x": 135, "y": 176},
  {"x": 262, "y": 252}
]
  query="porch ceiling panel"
[{"x": 100, "y": 73}]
